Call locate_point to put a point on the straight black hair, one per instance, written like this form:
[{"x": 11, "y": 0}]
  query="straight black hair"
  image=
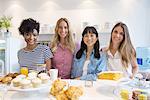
[{"x": 89, "y": 29}]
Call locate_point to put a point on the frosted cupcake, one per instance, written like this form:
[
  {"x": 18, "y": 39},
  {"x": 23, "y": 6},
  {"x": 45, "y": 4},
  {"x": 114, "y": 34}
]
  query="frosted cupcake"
[
  {"x": 45, "y": 79},
  {"x": 25, "y": 83},
  {"x": 21, "y": 76},
  {"x": 16, "y": 82},
  {"x": 32, "y": 75},
  {"x": 42, "y": 74},
  {"x": 36, "y": 82}
]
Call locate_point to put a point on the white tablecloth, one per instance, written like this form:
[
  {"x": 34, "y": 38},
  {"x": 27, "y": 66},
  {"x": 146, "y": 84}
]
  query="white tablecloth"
[{"x": 101, "y": 90}]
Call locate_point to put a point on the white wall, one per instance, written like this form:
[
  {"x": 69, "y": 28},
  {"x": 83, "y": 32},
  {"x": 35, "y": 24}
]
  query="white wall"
[
  {"x": 135, "y": 13},
  {"x": 148, "y": 23}
]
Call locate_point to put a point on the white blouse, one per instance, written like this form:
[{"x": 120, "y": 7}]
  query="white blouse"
[
  {"x": 85, "y": 67},
  {"x": 115, "y": 64}
]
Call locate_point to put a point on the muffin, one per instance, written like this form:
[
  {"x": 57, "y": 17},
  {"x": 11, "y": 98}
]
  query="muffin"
[
  {"x": 6, "y": 80},
  {"x": 45, "y": 79},
  {"x": 57, "y": 87},
  {"x": 73, "y": 92},
  {"x": 1, "y": 79},
  {"x": 42, "y": 74},
  {"x": 62, "y": 96},
  {"x": 16, "y": 82},
  {"x": 15, "y": 74},
  {"x": 32, "y": 75},
  {"x": 9, "y": 75},
  {"x": 21, "y": 76},
  {"x": 25, "y": 83},
  {"x": 36, "y": 82}
]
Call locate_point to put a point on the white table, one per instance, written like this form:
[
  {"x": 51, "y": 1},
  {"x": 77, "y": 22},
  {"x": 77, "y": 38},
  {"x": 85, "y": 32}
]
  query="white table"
[{"x": 101, "y": 90}]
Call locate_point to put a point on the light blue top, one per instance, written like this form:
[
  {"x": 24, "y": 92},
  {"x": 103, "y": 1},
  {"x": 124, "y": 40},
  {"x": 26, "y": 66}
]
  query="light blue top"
[{"x": 94, "y": 67}]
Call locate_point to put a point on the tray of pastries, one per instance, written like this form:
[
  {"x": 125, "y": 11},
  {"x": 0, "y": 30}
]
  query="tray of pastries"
[
  {"x": 110, "y": 75},
  {"x": 62, "y": 91},
  {"x": 126, "y": 92},
  {"x": 8, "y": 78},
  {"x": 32, "y": 82}
]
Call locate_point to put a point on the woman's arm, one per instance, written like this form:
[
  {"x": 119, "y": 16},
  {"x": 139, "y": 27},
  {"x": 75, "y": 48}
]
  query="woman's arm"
[
  {"x": 134, "y": 67},
  {"x": 47, "y": 57},
  {"x": 48, "y": 64}
]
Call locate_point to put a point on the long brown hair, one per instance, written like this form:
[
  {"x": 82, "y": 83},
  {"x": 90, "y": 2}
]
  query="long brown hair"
[
  {"x": 126, "y": 48},
  {"x": 68, "y": 39}
]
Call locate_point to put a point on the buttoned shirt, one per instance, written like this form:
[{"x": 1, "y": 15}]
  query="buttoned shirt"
[
  {"x": 94, "y": 67},
  {"x": 62, "y": 61}
]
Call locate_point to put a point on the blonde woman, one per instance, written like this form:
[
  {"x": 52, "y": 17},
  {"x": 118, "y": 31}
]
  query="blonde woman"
[
  {"x": 121, "y": 55},
  {"x": 63, "y": 48}
]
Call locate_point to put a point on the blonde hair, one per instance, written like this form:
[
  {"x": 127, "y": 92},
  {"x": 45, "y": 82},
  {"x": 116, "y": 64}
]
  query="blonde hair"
[
  {"x": 126, "y": 48},
  {"x": 68, "y": 39}
]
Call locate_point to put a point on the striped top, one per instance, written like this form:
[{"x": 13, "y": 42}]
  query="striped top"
[{"x": 37, "y": 56}]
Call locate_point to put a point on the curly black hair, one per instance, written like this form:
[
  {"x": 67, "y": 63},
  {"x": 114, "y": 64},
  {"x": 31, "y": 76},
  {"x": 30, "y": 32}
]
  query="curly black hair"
[
  {"x": 29, "y": 25},
  {"x": 89, "y": 29}
]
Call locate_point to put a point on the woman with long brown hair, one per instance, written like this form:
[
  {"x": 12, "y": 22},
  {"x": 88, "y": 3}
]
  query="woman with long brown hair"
[
  {"x": 63, "y": 48},
  {"x": 121, "y": 55}
]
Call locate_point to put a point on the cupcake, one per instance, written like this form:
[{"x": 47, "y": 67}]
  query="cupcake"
[
  {"x": 25, "y": 83},
  {"x": 36, "y": 82},
  {"x": 42, "y": 74},
  {"x": 45, "y": 79},
  {"x": 21, "y": 76},
  {"x": 32, "y": 75},
  {"x": 16, "y": 82}
]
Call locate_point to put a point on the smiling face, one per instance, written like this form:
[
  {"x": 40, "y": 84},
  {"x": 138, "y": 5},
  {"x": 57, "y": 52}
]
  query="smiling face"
[
  {"x": 117, "y": 35},
  {"x": 63, "y": 29},
  {"x": 30, "y": 38},
  {"x": 90, "y": 39}
]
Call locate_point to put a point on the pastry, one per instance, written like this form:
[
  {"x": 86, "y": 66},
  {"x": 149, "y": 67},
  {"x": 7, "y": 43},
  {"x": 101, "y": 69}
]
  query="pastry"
[
  {"x": 62, "y": 96},
  {"x": 42, "y": 74},
  {"x": 74, "y": 92},
  {"x": 25, "y": 83},
  {"x": 45, "y": 79},
  {"x": 110, "y": 75},
  {"x": 57, "y": 87},
  {"x": 16, "y": 82},
  {"x": 135, "y": 94},
  {"x": 1, "y": 79},
  {"x": 36, "y": 82},
  {"x": 21, "y": 76},
  {"x": 124, "y": 94},
  {"x": 58, "y": 90},
  {"x": 7, "y": 80},
  {"x": 14, "y": 75},
  {"x": 32, "y": 75},
  {"x": 9, "y": 75}
]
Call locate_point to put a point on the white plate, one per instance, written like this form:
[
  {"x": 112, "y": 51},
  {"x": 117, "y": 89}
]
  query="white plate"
[
  {"x": 110, "y": 72},
  {"x": 43, "y": 86},
  {"x": 124, "y": 80}
]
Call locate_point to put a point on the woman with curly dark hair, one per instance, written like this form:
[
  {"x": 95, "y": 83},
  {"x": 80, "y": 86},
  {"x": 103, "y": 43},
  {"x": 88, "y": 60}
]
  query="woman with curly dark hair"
[
  {"x": 88, "y": 61},
  {"x": 33, "y": 53}
]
